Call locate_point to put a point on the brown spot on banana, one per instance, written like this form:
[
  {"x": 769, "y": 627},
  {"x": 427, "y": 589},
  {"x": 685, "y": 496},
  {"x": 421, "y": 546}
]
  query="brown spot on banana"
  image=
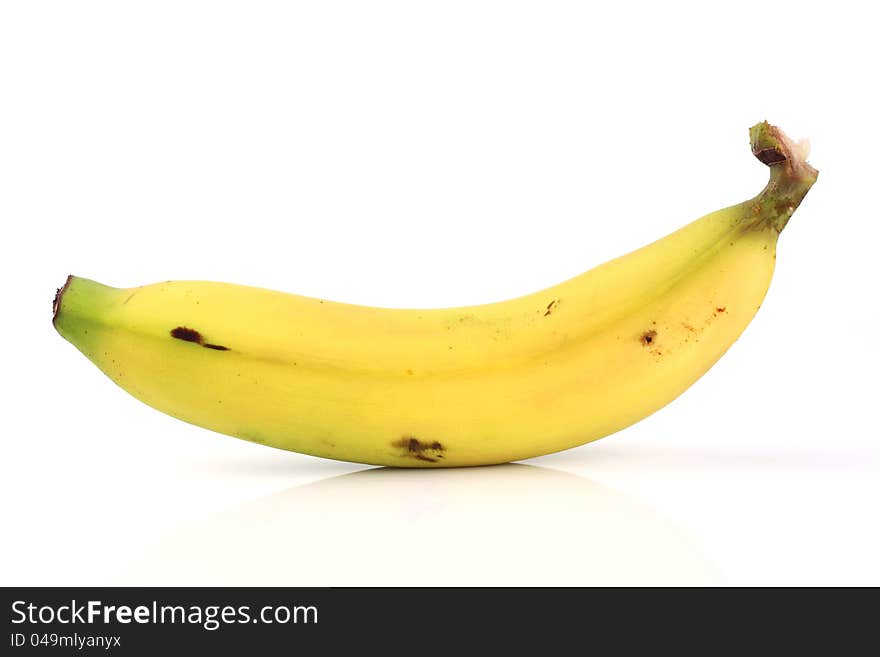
[
  {"x": 186, "y": 334},
  {"x": 191, "y": 335},
  {"x": 422, "y": 451}
]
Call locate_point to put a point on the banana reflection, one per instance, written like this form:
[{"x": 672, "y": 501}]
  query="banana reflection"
[{"x": 501, "y": 525}]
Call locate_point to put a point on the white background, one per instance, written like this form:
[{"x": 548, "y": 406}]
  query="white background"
[{"x": 434, "y": 154}]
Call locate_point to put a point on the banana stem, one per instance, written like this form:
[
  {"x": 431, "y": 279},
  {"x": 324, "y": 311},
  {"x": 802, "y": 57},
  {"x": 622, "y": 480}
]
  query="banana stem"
[{"x": 791, "y": 177}]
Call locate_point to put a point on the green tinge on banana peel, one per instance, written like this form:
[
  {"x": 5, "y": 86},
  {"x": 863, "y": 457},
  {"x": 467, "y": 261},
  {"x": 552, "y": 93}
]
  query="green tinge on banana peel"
[
  {"x": 446, "y": 387},
  {"x": 790, "y": 175}
]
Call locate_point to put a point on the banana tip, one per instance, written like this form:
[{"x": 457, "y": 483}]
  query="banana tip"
[
  {"x": 775, "y": 149},
  {"x": 56, "y": 302}
]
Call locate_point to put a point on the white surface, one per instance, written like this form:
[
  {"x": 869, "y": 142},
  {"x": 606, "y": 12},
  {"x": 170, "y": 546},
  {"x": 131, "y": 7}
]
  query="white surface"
[{"x": 428, "y": 154}]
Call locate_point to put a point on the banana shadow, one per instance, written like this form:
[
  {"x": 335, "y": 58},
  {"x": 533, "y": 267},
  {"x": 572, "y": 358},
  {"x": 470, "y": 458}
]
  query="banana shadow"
[
  {"x": 716, "y": 458},
  {"x": 501, "y": 525}
]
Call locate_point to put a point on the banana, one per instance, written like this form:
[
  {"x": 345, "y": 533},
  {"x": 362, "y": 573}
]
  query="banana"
[{"x": 453, "y": 386}]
